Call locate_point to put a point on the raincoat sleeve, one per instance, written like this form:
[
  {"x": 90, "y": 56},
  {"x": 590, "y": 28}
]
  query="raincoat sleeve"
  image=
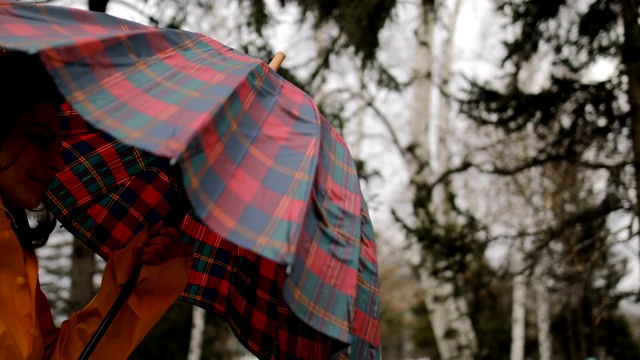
[{"x": 157, "y": 289}]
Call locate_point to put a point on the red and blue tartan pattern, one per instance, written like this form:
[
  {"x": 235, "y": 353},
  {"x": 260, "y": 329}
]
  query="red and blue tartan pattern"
[
  {"x": 260, "y": 165},
  {"x": 246, "y": 140},
  {"x": 245, "y": 289}
]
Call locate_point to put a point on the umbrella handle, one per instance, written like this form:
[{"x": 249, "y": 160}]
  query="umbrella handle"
[
  {"x": 277, "y": 61},
  {"x": 127, "y": 289}
]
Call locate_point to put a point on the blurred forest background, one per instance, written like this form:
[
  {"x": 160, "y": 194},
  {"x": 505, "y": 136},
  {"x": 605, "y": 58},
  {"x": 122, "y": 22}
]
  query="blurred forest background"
[{"x": 498, "y": 143}]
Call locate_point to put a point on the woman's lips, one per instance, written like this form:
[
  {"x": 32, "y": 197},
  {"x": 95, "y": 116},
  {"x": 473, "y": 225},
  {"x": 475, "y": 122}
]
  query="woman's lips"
[{"x": 42, "y": 182}]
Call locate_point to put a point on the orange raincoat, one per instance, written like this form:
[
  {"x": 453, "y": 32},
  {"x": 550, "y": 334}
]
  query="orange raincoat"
[{"x": 27, "y": 330}]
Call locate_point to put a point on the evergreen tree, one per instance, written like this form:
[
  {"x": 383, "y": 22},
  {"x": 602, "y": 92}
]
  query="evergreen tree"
[
  {"x": 586, "y": 136},
  {"x": 359, "y": 21},
  {"x": 590, "y": 124}
]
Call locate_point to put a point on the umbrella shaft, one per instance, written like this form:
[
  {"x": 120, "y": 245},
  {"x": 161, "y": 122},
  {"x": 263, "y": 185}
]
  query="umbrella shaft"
[{"x": 127, "y": 289}]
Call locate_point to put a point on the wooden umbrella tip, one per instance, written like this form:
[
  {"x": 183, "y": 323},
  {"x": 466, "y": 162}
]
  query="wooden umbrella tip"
[{"x": 277, "y": 61}]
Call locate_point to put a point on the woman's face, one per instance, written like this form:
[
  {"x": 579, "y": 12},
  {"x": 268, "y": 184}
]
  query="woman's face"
[{"x": 30, "y": 157}]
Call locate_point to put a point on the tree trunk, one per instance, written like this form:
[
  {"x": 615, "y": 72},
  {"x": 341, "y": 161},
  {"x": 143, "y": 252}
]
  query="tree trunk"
[
  {"x": 575, "y": 324},
  {"x": 448, "y": 313},
  {"x": 83, "y": 267},
  {"x": 198, "y": 316},
  {"x": 572, "y": 349},
  {"x": 419, "y": 123},
  {"x": 444, "y": 120},
  {"x": 580, "y": 325},
  {"x": 542, "y": 312},
  {"x": 452, "y": 328},
  {"x": 318, "y": 82},
  {"x": 518, "y": 314},
  {"x": 359, "y": 139},
  {"x": 421, "y": 110},
  {"x": 631, "y": 65}
]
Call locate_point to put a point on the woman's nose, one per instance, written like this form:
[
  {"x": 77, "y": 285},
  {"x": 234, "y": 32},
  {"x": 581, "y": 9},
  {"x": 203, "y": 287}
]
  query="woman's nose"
[{"x": 57, "y": 163}]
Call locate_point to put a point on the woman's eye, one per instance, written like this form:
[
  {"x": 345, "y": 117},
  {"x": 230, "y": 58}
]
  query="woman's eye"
[{"x": 41, "y": 140}]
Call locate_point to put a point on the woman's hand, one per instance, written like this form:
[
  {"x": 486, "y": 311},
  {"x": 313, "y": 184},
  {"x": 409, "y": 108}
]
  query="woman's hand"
[{"x": 164, "y": 244}]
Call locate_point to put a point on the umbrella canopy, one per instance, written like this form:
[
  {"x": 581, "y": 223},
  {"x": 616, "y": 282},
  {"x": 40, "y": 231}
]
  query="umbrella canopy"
[
  {"x": 108, "y": 191},
  {"x": 259, "y": 163}
]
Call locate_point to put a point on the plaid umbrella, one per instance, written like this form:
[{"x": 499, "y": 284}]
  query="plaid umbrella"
[
  {"x": 260, "y": 165},
  {"x": 109, "y": 191}
]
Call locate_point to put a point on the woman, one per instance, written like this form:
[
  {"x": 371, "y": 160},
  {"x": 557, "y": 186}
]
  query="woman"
[{"x": 29, "y": 160}]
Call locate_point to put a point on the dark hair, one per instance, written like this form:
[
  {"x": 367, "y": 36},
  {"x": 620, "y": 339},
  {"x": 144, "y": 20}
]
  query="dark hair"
[
  {"x": 32, "y": 238},
  {"x": 24, "y": 82}
]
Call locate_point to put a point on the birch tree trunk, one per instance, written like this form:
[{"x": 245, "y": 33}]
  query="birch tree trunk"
[
  {"x": 451, "y": 326},
  {"x": 444, "y": 120},
  {"x": 421, "y": 108},
  {"x": 359, "y": 139},
  {"x": 543, "y": 314},
  {"x": 518, "y": 313},
  {"x": 321, "y": 36},
  {"x": 83, "y": 267},
  {"x": 197, "y": 333},
  {"x": 527, "y": 188},
  {"x": 448, "y": 313}
]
